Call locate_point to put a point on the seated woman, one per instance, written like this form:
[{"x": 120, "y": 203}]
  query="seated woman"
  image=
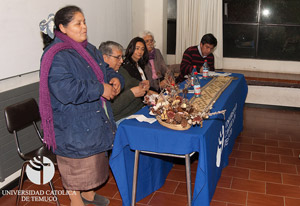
[
  {"x": 128, "y": 101},
  {"x": 156, "y": 68},
  {"x": 136, "y": 58}
]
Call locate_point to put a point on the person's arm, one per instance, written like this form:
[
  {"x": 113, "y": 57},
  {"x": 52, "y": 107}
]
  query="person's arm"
[
  {"x": 162, "y": 65},
  {"x": 121, "y": 102},
  {"x": 211, "y": 63},
  {"x": 68, "y": 88},
  {"x": 112, "y": 74},
  {"x": 127, "y": 96},
  {"x": 186, "y": 66},
  {"x": 162, "y": 68},
  {"x": 113, "y": 78}
]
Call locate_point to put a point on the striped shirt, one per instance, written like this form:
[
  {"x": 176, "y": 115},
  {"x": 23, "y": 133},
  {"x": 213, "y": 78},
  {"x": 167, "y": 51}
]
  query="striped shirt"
[{"x": 192, "y": 57}]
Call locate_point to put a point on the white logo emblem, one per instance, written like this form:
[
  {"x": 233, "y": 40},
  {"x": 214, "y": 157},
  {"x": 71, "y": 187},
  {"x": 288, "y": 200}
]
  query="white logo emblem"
[
  {"x": 220, "y": 147},
  {"x": 40, "y": 171}
]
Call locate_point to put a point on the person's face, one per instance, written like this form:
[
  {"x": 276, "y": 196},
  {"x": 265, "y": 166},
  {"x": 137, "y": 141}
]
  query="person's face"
[
  {"x": 76, "y": 29},
  {"x": 149, "y": 42},
  {"x": 138, "y": 52},
  {"x": 206, "y": 49},
  {"x": 114, "y": 60}
]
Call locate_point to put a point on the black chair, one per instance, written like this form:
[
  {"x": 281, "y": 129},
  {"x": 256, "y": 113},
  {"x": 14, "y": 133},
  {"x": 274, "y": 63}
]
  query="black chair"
[{"x": 18, "y": 117}]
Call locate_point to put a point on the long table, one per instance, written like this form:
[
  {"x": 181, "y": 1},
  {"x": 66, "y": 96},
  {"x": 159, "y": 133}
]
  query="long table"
[{"x": 214, "y": 143}]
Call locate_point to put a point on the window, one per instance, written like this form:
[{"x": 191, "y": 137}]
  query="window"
[
  {"x": 171, "y": 28},
  {"x": 262, "y": 29}
]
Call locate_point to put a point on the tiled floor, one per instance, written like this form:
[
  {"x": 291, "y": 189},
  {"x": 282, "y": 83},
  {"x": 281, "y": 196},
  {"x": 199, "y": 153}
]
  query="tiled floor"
[{"x": 264, "y": 168}]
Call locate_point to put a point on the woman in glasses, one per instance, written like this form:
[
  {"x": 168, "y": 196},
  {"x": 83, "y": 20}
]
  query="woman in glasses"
[
  {"x": 156, "y": 68},
  {"x": 129, "y": 100}
]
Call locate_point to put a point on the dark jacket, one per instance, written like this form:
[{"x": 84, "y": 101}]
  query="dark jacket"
[
  {"x": 132, "y": 69},
  {"x": 126, "y": 104},
  {"x": 81, "y": 125}
]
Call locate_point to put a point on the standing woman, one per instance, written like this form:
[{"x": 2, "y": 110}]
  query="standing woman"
[
  {"x": 136, "y": 58},
  {"x": 77, "y": 119}
]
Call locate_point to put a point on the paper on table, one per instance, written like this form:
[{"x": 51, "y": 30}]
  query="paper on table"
[
  {"x": 142, "y": 118},
  {"x": 210, "y": 73}
]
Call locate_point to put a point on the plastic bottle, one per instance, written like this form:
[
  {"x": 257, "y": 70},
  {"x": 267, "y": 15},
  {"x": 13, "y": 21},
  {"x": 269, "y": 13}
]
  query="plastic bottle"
[
  {"x": 197, "y": 86},
  {"x": 192, "y": 75},
  {"x": 205, "y": 69}
]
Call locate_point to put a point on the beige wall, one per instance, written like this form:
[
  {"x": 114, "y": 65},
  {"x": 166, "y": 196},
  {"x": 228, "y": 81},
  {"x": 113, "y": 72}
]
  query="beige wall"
[
  {"x": 21, "y": 49},
  {"x": 151, "y": 15}
]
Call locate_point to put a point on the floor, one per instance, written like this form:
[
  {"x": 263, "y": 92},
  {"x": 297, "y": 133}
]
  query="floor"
[{"x": 264, "y": 169}]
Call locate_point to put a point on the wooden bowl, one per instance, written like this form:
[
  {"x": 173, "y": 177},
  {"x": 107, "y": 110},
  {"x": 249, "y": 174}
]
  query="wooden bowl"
[{"x": 173, "y": 126}]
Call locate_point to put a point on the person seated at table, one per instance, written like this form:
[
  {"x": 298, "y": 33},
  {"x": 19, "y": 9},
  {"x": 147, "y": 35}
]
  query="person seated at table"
[
  {"x": 136, "y": 58},
  {"x": 128, "y": 101},
  {"x": 156, "y": 68},
  {"x": 196, "y": 55}
]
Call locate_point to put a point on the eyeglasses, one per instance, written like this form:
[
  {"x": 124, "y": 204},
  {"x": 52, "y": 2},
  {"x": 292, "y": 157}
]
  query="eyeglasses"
[
  {"x": 118, "y": 57},
  {"x": 150, "y": 41}
]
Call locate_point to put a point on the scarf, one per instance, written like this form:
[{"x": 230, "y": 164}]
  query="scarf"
[
  {"x": 152, "y": 54},
  {"x": 44, "y": 94},
  {"x": 151, "y": 61}
]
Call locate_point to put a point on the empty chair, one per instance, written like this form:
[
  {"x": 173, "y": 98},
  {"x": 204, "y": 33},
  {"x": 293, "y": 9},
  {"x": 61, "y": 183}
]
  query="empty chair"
[{"x": 18, "y": 117}]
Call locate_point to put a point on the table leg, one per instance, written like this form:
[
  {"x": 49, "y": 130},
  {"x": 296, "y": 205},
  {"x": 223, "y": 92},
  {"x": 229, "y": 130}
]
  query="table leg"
[
  {"x": 188, "y": 178},
  {"x": 135, "y": 174}
]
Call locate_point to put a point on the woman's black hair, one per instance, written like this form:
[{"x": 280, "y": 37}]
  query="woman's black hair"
[
  {"x": 63, "y": 16},
  {"x": 131, "y": 48}
]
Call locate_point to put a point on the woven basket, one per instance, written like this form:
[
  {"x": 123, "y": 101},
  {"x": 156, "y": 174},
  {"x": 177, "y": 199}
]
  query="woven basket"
[{"x": 173, "y": 126}]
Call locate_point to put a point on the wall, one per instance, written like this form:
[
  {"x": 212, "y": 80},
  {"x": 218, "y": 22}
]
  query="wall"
[
  {"x": 21, "y": 50},
  {"x": 151, "y": 15},
  {"x": 22, "y": 45},
  {"x": 10, "y": 162}
]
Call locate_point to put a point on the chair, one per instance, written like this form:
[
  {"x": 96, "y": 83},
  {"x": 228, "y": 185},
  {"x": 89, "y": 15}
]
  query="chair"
[{"x": 18, "y": 117}]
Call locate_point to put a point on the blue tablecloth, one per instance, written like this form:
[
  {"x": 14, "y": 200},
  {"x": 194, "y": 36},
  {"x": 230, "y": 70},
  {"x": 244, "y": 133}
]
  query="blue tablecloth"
[{"x": 214, "y": 142}]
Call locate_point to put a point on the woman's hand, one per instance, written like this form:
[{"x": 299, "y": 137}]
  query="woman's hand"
[
  {"x": 163, "y": 83},
  {"x": 150, "y": 92},
  {"x": 108, "y": 91},
  {"x": 145, "y": 84},
  {"x": 138, "y": 91},
  {"x": 115, "y": 82}
]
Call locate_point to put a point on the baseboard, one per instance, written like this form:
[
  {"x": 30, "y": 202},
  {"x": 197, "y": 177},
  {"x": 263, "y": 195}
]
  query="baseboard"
[
  {"x": 279, "y": 96},
  {"x": 272, "y": 107},
  {"x": 10, "y": 186}
]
